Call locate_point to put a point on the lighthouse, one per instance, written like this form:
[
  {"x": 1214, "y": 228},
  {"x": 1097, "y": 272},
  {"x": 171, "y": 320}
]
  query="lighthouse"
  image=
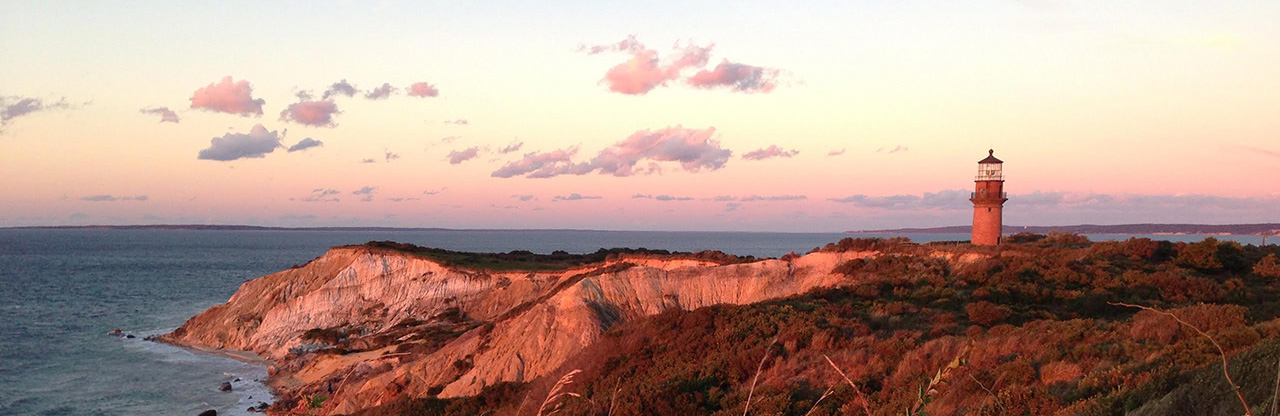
[{"x": 988, "y": 200}]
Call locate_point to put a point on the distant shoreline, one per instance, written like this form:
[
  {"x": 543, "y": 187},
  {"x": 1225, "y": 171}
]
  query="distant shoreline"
[
  {"x": 201, "y": 227},
  {"x": 1147, "y": 229}
]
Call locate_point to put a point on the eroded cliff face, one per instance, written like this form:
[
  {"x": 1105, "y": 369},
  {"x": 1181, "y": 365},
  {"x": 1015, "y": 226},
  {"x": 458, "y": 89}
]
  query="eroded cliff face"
[{"x": 364, "y": 325}]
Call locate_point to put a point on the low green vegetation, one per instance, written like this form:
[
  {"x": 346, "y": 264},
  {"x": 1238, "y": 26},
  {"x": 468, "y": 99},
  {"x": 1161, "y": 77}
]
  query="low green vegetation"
[{"x": 529, "y": 261}]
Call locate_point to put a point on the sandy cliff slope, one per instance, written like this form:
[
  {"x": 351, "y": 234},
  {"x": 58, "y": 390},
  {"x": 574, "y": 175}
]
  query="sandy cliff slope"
[{"x": 362, "y": 325}]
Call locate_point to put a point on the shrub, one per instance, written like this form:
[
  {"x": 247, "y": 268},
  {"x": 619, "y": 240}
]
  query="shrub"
[
  {"x": 1059, "y": 372},
  {"x": 1269, "y": 266},
  {"x": 1202, "y": 255},
  {"x": 986, "y": 313}
]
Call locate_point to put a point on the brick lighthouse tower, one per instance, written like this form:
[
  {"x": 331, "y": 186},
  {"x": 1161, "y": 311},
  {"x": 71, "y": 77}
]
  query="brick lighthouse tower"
[{"x": 988, "y": 200}]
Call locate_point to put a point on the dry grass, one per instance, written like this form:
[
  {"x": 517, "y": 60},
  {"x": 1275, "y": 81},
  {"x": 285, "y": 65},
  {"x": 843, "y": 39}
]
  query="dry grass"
[
  {"x": 759, "y": 368},
  {"x": 991, "y": 394},
  {"x": 1248, "y": 411},
  {"x": 820, "y": 399},
  {"x": 939, "y": 379},
  {"x": 1275, "y": 396},
  {"x": 557, "y": 392},
  {"x": 857, "y": 391}
]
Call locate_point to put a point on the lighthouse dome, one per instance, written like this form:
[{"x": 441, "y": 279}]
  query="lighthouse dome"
[{"x": 991, "y": 158}]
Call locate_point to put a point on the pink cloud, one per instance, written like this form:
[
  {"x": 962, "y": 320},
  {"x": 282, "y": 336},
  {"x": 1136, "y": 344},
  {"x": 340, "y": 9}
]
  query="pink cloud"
[
  {"x": 166, "y": 115},
  {"x": 693, "y": 149},
  {"x": 539, "y": 165},
  {"x": 422, "y": 89},
  {"x": 895, "y": 149},
  {"x": 769, "y": 152},
  {"x": 311, "y": 113},
  {"x": 227, "y": 96},
  {"x": 637, "y": 76},
  {"x": 836, "y": 152},
  {"x": 644, "y": 71},
  {"x": 738, "y": 77}
]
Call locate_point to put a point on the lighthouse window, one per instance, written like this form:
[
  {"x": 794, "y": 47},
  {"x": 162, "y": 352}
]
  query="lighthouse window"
[{"x": 988, "y": 209}]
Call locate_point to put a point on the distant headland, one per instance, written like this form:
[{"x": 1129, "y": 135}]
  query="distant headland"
[{"x": 1151, "y": 229}]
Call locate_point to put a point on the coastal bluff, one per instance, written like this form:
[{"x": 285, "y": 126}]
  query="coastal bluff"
[{"x": 364, "y": 325}]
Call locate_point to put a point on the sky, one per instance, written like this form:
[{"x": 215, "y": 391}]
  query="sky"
[{"x": 756, "y": 116}]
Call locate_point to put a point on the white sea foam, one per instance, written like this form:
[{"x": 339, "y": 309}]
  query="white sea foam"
[{"x": 249, "y": 389}]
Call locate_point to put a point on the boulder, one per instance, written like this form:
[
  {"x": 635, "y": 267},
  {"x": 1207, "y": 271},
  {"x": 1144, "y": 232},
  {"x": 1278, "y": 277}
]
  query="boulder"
[
  {"x": 225, "y": 386},
  {"x": 209, "y": 412}
]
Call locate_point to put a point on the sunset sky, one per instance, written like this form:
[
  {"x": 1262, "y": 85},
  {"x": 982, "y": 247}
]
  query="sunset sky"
[{"x": 752, "y": 116}]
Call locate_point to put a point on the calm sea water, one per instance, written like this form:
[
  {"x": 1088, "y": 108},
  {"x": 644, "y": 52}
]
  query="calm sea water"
[{"x": 62, "y": 290}]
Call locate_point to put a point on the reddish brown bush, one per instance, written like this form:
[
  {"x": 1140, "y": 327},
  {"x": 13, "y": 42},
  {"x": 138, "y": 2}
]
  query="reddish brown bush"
[
  {"x": 1202, "y": 255},
  {"x": 1060, "y": 372},
  {"x": 1269, "y": 266},
  {"x": 986, "y": 313}
]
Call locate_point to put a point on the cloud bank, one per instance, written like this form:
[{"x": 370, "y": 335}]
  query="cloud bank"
[
  {"x": 320, "y": 195},
  {"x": 573, "y": 197},
  {"x": 662, "y": 197},
  {"x": 227, "y": 96},
  {"x": 14, "y": 107},
  {"x": 769, "y": 152},
  {"x": 111, "y": 198},
  {"x": 693, "y": 149},
  {"x": 231, "y": 146}
]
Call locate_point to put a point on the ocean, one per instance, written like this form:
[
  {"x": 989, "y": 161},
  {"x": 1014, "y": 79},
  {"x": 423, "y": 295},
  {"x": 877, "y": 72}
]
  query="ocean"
[{"x": 61, "y": 291}]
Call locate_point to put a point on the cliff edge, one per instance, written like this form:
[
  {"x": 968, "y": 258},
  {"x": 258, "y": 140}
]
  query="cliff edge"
[{"x": 362, "y": 325}]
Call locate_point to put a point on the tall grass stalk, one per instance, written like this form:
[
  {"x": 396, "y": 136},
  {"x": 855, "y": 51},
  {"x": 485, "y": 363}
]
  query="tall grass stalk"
[
  {"x": 558, "y": 392},
  {"x": 759, "y": 368},
  {"x": 820, "y": 399},
  {"x": 856, "y": 391}
]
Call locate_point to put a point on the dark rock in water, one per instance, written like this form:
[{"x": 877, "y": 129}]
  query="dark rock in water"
[
  {"x": 130, "y": 336},
  {"x": 237, "y": 379},
  {"x": 116, "y": 331},
  {"x": 225, "y": 386},
  {"x": 263, "y": 406},
  {"x": 209, "y": 412},
  {"x": 252, "y": 410}
]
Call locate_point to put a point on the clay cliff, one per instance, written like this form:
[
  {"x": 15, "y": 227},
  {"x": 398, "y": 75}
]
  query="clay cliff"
[{"x": 362, "y": 325}]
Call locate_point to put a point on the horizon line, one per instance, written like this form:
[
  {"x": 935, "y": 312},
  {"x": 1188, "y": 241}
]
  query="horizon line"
[{"x": 952, "y": 229}]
